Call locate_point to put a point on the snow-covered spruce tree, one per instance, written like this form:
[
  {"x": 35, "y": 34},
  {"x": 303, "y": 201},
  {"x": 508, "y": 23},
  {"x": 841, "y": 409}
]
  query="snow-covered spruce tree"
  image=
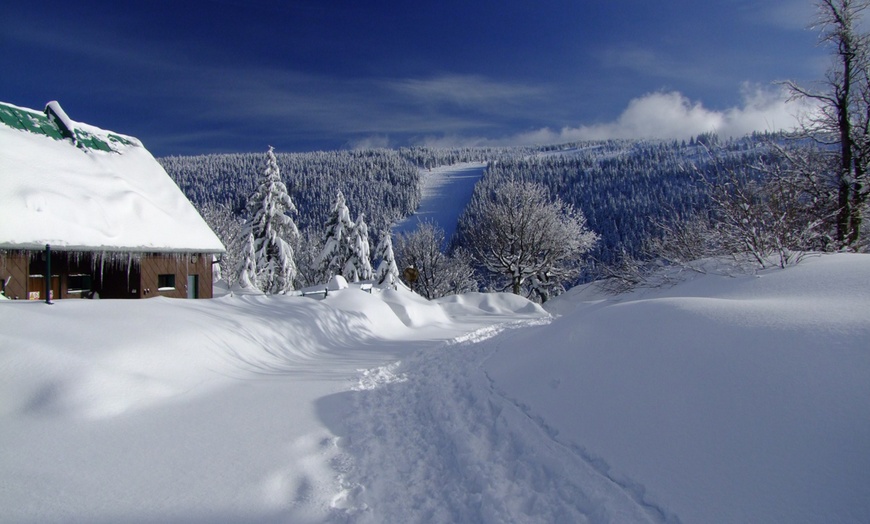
[
  {"x": 247, "y": 271},
  {"x": 269, "y": 228},
  {"x": 529, "y": 243},
  {"x": 387, "y": 273},
  {"x": 306, "y": 250},
  {"x": 359, "y": 265},
  {"x": 336, "y": 239}
]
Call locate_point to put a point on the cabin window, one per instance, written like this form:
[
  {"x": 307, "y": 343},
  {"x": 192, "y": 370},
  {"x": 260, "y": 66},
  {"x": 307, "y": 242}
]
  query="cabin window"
[
  {"x": 165, "y": 282},
  {"x": 79, "y": 283}
]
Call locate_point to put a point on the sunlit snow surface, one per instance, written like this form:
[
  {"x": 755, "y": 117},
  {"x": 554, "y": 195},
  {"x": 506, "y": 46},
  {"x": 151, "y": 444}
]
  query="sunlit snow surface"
[
  {"x": 721, "y": 399},
  {"x": 53, "y": 192},
  {"x": 446, "y": 190}
]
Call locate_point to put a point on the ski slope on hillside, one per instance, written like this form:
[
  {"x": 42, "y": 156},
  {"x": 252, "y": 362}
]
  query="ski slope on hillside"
[
  {"x": 445, "y": 193},
  {"x": 725, "y": 398}
]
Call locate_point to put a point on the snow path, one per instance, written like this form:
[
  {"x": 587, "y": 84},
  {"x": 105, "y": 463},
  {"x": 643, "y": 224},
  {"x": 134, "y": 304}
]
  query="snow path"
[
  {"x": 432, "y": 440},
  {"x": 738, "y": 399},
  {"x": 446, "y": 192},
  {"x": 220, "y": 415}
]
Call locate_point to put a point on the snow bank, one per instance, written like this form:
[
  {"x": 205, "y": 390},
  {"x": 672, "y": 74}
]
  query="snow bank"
[
  {"x": 176, "y": 410},
  {"x": 490, "y": 303},
  {"x": 740, "y": 399},
  {"x": 719, "y": 399},
  {"x": 446, "y": 190}
]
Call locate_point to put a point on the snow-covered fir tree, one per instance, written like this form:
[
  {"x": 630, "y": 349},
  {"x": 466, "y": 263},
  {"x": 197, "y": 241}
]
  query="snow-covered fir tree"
[
  {"x": 336, "y": 239},
  {"x": 387, "y": 273},
  {"x": 306, "y": 251},
  {"x": 359, "y": 265},
  {"x": 247, "y": 277},
  {"x": 269, "y": 227}
]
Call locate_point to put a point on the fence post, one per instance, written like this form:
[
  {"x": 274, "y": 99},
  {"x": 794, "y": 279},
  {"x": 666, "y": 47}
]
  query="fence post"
[{"x": 48, "y": 273}]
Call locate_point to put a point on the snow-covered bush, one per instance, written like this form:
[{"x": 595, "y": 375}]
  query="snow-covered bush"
[{"x": 229, "y": 229}]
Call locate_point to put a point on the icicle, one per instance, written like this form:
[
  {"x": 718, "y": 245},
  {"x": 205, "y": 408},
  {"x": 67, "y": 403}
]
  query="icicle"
[{"x": 129, "y": 267}]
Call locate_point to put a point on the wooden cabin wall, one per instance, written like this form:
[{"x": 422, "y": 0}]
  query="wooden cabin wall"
[
  {"x": 22, "y": 272},
  {"x": 13, "y": 274},
  {"x": 182, "y": 266}
]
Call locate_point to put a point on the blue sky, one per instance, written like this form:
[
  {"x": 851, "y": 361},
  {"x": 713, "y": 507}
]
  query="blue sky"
[{"x": 190, "y": 77}]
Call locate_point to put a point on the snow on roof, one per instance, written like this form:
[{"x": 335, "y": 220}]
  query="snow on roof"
[{"x": 79, "y": 187}]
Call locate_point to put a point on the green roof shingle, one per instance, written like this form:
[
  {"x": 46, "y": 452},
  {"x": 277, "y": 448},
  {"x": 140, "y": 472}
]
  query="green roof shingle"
[{"x": 40, "y": 124}]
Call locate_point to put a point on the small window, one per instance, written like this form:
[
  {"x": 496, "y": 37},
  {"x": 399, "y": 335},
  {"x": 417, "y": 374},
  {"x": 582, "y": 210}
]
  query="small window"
[
  {"x": 165, "y": 282},
  {"x": 79, "y": 283}
]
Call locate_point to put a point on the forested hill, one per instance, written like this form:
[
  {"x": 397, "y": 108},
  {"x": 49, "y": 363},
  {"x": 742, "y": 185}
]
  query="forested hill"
[
  {"x": 622, "y": 187},
  {"x": 627, "y": 189},
  {"x": 381, "y": 183}
]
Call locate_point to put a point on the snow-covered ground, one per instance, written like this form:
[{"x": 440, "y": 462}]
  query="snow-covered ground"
[
  {"x": 445, "y": 193},
  {"x": 720, "y": 399}
]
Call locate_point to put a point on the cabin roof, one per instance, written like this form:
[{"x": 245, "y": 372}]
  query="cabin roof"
[{"x": 78, "y": 187}]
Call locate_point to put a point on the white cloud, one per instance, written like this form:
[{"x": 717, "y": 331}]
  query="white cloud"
[
  {"x": 667, "y": 115},
  {"x": 673, "y": 115}
]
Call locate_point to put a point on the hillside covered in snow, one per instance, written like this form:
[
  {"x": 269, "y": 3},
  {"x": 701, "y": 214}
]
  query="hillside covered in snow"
[
  {"x": 727, "y": 397},
  {"x": 624, "y": 188}
]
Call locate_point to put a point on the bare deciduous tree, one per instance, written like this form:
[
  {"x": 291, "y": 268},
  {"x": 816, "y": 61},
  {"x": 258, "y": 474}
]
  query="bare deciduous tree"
[
  {"x": 843, "y": 118},
  {"x": 525, "y": 239},
  {"x": 762, "y": 219},
  {"x": 438, "y": 274}
]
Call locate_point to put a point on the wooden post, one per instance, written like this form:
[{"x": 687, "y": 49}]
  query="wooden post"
[
  {"x": 48, "y": 273},
  {"x": 411, "y": 275}
]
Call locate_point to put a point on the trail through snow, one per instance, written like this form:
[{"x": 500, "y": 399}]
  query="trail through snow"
[
  {"x": 446, "y": 192},
  {"x": 721, "y": 399},
  {"x": 436, "y": 431}
]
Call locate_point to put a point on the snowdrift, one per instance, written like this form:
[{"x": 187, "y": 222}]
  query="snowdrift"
[{"x": 720, "y": 399}]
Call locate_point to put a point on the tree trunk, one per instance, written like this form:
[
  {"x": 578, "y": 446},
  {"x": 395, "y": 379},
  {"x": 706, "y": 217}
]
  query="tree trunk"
[{"x": 856, "y": 205}]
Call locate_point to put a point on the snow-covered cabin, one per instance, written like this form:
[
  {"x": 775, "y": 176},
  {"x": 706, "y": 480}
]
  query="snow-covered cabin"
[{"x": 116, "y": 224}]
